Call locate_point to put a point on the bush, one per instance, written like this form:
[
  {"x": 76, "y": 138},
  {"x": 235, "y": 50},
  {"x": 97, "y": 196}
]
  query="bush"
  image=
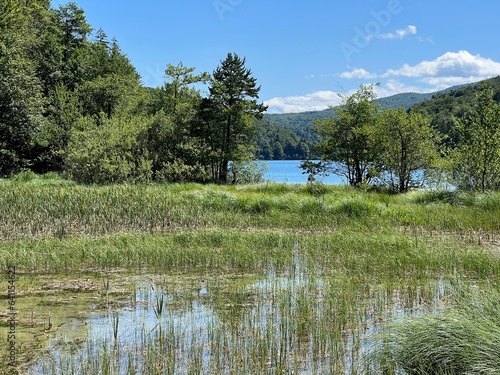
[
  {"x": 246, "y": 172},
  {"x": 107, "y": 151}
]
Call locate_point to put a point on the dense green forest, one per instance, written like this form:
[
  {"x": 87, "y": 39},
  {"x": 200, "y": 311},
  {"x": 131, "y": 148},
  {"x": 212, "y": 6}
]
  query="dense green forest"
[{"x": 72, "y": 102}]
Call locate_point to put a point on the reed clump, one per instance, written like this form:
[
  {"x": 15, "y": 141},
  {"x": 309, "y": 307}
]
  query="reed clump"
[{"x": 464, "y": 339}]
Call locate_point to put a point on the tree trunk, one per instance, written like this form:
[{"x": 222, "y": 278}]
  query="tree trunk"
[
  {"x": 359, "y": 173},
  {"x": 223, "y": 171},
  {"x": 225, "y": 147}
]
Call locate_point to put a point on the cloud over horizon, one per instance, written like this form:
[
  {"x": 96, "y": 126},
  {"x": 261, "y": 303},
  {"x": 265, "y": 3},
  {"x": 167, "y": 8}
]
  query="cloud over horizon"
[
  {"x": 449, "y": 69},
  {"x": 315, "y": 101}
]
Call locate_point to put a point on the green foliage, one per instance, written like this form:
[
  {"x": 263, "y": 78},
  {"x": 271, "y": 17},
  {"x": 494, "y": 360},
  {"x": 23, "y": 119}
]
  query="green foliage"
[
  {"x": 230, "y": 108},
  {"x": 404, "y": 143},
  {"x": 313, "y": 169},
  {"x": 21, "y": 101},
  {"x": 274, "y": 142},
  {"x": 477, "y": 155},
  {"x": 246, "y": 172},
  {"x": 73, "y": 32},
  {"x": 174, "y": 141},
  {"x": 346, "y": 137},
  {"x": 107, "y": 151},
  {"x": 446, "y": 106}
]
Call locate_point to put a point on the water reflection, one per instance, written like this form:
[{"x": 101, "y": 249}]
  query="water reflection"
[{"x": 298, "y": 320}]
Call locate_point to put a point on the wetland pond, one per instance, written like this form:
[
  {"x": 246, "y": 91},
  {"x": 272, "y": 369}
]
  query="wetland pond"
[{"x": 300, "y": 319}]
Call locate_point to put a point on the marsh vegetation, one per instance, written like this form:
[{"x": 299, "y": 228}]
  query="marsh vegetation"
[{"x": 269, "y": 278}]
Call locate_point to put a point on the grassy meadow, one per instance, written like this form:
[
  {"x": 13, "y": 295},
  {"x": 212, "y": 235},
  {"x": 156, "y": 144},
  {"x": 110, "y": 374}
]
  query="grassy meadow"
[{"x": 303, "y": 278}]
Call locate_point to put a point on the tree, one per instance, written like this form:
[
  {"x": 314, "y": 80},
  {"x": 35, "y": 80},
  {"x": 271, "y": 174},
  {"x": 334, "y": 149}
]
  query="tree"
[
  {"x": 21, "y": 101},
  {"x": 177, "y": 153},
  {"x": 405, "y": 144},
  {"x": 111, "y": 80},
  {"x": 346, "y": 136},
  {"x": 229, "y": 111},
  {"x": 476, "y": 158},
  {"x": 73, "y": 29},
  {"x": 181, "y": 78}
]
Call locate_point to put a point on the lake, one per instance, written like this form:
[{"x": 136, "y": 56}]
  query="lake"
[{"x": 288, "y": 171}]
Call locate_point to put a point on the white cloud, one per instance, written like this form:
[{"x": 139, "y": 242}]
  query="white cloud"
[
  {"x": 315, "y": 101},
  {"x": 452, "y": 68},
  {"x": 451, "y": 64},
  {"x": 398, "y": 34},
  {"x": 357, "y": 73},
  {"x": 393, "y": 87}
]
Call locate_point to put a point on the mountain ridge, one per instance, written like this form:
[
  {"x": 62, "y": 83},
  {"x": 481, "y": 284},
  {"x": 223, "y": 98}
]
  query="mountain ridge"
[{"x": 301, "y": 123}]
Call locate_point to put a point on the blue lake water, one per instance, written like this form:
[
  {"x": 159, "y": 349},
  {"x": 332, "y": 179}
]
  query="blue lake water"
[{"x": 288, "y": 171}]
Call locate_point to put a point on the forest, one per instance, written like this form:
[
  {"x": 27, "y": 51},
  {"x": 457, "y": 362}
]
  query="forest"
[{"x": 72, "y": 102}]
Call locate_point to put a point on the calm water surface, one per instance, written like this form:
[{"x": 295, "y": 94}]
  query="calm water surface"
[{"x": 288, "y": 171}]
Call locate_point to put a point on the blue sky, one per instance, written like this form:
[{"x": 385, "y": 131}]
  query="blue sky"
[{"x": 304, "y": 53}]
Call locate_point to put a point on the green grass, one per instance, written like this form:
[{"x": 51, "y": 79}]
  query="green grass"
[
  {"x": 375, "y": 254},
  {"x": 47, "y": 208},
  {"x": 462, "y": 340},
  {"x": 369, "y": 249}
]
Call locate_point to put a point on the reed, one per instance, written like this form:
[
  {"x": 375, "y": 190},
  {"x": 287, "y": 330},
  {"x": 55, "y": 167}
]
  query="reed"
[
  {"x": 464, "y": 339},
  {"x": 47, "y": 208},
  {"x": 328, "y": 274}
]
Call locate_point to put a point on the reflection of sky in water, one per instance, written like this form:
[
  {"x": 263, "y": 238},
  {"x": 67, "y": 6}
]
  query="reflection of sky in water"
[{"x": 191, "y": 324}]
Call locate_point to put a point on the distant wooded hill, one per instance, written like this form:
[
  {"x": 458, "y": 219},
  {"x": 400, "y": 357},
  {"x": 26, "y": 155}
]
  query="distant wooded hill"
[
  {"x": 290, "y": 135},
  {"x": 445, "y": 106}
]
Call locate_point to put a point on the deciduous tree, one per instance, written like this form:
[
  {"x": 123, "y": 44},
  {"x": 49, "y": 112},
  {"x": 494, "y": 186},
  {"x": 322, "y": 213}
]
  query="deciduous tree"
[
  {"x": 477, "y": 155},
  {"x": 346, "y": 136},
  {"x": 404, "y": 144}
]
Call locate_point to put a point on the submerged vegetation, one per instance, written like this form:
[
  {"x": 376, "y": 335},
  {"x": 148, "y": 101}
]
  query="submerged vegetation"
[{"x": 296, "y": 278}]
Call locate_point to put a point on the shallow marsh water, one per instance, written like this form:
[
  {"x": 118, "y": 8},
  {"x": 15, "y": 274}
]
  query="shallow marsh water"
[{"x": 301, "y": 319}]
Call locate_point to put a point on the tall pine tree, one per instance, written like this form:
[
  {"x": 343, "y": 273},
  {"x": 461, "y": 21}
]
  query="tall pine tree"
[{"x": 232, "y": 105}]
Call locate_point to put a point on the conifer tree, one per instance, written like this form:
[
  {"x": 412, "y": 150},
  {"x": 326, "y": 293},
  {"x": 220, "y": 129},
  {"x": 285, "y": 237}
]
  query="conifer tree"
[{"x": 232, "y": 105}]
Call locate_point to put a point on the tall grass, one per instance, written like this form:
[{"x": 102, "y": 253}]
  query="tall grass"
[
  {"x": 44, "y": 208},
  {"x": 375, "y": 254},
  {"x": 462, "y": 340}
]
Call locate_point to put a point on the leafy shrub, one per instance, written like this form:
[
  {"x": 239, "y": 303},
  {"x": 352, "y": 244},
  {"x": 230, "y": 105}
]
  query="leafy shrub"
[{"x": 104, "y": 151}]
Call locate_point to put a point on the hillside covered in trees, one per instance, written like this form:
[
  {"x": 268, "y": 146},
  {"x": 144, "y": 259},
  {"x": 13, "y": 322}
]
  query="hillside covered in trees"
[
  {"x": 72, "y": 102},
  {"x": 301, "y": 123},
  {"x": 445, "y": 107}
]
